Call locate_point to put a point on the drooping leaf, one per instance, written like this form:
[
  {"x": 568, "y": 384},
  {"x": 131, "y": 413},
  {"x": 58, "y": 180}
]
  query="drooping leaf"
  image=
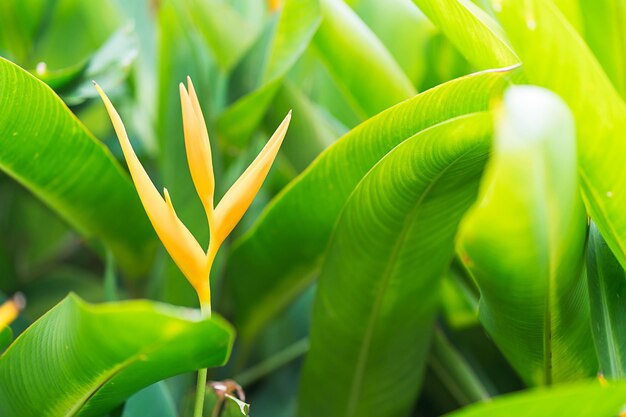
[
  {"x": 95, "y": 356},
  {"x": 279, "y": 256},
  {"x": 390, "y": 247},
  {"x": 554, "y": 56},
  {"x": 523, "y": 242},
  {"x": 474, "y": 33},
  {"x": 46, "y": 149},
  {"x": 584, "y": 399},
  {"x": 607, "y": 291}
]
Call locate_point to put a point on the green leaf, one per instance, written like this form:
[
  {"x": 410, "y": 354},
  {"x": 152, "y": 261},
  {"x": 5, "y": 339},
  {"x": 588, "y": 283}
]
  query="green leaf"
[
  {"x": 524, "y": 240},
  {"x": 554, "y": 56},
  {"x": 585, "y": 399},
  {"x": 391, "y": 245},
  {"x": 605, "y": 33},
  {"x": 607, "y": 291},
  {"x": 299, "y": 20},
  {"x": 227, "y": 32},
  {"x": 347, "y": 46},
  {"x": 47, "y": 150},
  {"x": 474, "y": 33},
  {"x": 154, "y": 401},
  {"x": 95, "y": 356},
  {"x": 278, "y": 258}
]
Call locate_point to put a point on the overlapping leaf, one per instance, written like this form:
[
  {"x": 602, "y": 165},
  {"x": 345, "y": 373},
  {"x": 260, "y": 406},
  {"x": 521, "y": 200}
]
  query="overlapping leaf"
[{"x": 279, "y": 256}]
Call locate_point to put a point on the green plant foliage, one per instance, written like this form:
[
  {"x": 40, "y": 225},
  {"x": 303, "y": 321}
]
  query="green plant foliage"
[
  {"x": 475, "y": 34},
  {"x": 153, "y": 401},
  {"x": 580, "y": 400},
  {"x": 532, "y": 293},
  {"x": 607, "y": 289},
  {"x": 287, "y": 242},
  {"x": 554, "y": 56},
  {"x": 391, "y": 245},
  {"x": 100, "y": 354},
  {"x": 75, "y": 174}
]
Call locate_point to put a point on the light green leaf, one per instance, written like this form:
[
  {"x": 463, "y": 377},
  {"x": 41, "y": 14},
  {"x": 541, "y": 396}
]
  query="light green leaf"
[
  {"x": 604, "y": 31},
  {"x": 347, "y": 47},
  {"x": 474, "y": 33},
  {"x": 227, "y": 32},
  {"x": 554, "y": 56},
  {"x": 523, "y": 242},
  {"x": 95, "y": 356},
  {"x": 607, "y": 291},
  {"x": 278, "y": 258},
  {"x": 585, "y": 399},
  {"x": 46, "y": 149},
  {"x": 391, "y": 245}
]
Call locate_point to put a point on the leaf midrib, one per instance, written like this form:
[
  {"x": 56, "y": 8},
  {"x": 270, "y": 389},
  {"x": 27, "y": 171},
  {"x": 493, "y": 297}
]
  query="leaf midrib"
[{"x": 369, "y": 331}]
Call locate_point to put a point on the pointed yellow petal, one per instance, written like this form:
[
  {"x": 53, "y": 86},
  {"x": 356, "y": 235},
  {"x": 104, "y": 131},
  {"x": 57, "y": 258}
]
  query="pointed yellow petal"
[
  {"x": 237, "y": 200},
  {"x": 179, "y": 242},
  {"x": 198, "y": 148},
  {"x": 10, "y": 309}
]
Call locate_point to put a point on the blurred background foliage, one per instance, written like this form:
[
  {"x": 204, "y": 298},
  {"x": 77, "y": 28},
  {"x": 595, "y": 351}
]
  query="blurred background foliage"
[{"x": 334, "y": 63}]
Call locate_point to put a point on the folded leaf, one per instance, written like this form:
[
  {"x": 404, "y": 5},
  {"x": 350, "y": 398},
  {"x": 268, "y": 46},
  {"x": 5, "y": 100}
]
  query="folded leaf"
[{"x": 523, "y": 242}]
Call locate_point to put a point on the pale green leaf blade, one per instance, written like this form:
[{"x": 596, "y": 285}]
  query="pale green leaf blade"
[
  {"x": 391, "y": 245},
  {"x": 278, "y": 258},
  {"x": 474, "y": 33},
  {"x": 607, "y": 291},
  {"x": 46, "y": 149},
  {"x": 154, "y": 401},
  {"x": 95, "y": 356},
  {"x": 585, "y": 399},
  {"x": 554, "y": 56},
  {"x": 523, "y": 242}
]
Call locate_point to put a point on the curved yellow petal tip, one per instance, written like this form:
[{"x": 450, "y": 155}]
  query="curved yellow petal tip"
[
  {"x": 239, "y": 197},
  {"x": 11, "y": 309}
]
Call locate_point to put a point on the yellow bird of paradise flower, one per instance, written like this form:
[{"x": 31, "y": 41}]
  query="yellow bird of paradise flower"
[{"x": 186, "y": 252}]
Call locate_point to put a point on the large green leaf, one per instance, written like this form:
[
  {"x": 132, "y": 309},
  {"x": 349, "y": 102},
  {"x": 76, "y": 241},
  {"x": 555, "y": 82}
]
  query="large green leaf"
[
  {"x": 46, "y": 149},
  {"x": 280, "y": 255},
  {"x": 390, "y": 247},
  {"x": 554, "y": 56},
  {"x": 82, "y": 359},
  {"x": 524, "y": 240},
  {"x": 607, "y": 291},
  {"x": 584, "y": 399},
  {"x": 154, "y": 401},
  {"x": 474, "y": 33}
]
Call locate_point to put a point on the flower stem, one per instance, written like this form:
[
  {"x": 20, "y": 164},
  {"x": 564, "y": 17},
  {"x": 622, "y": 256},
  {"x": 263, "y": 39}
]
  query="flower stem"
[{"x": 205, "y": 308}]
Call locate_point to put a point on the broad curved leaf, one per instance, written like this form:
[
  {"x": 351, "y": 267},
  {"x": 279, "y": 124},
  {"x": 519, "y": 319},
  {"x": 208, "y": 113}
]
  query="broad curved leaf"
[
  {"x": 607, "y": 291},
  {"x": 524, "y": 240},
  {"x": 278, "y": 257},
  {"x": 82, "y": 359},
  {"x": 391, "y": 245},
  {"x": 585, "y": 399},
  {"x": 46, "y": 149},
  {"x": 474, "y": 33},
  {"x": 554, "y": 56}
]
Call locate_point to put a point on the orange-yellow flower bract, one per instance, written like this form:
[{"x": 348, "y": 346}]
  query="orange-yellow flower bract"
[
  {"x": 10, "y": 309},
  {"x": 192, "y": 260}
]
